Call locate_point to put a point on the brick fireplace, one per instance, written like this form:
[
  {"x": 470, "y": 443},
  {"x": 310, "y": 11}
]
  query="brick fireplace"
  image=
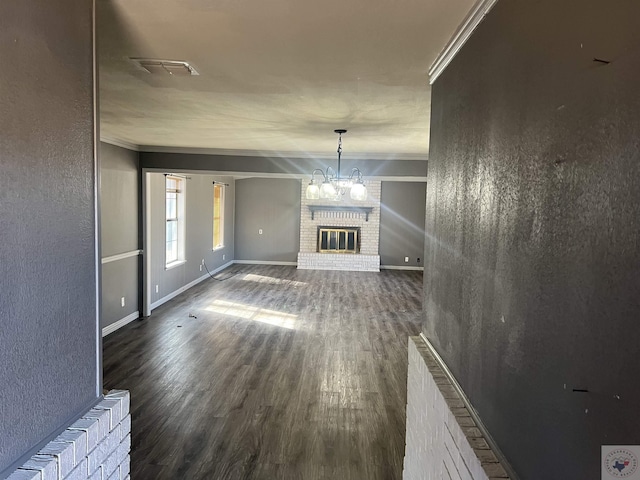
[{"x": 343, "y": 215}]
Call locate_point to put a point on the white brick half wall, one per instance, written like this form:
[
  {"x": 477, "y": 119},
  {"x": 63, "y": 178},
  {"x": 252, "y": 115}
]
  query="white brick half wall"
[
  {"x": 95, "y": 447},
  {"x": 443, "y": 441}
]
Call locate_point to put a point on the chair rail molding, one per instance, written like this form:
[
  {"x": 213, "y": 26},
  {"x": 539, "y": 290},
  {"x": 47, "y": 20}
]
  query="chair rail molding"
[{"x": 121, "y": 256}]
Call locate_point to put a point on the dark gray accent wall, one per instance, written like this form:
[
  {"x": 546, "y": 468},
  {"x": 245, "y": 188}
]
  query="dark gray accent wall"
[
  {"x": 120, "y": 195},
  {"x": 281, "y": 165},
  {"x": 48, "y": 309},
  {"x": 119, "y": 216},
  {"x": 402, "y": 223},
  {"x": 199, "y": 232},
  {"x": 272, "y": 205},
  {"x": 532, "y": 285}
]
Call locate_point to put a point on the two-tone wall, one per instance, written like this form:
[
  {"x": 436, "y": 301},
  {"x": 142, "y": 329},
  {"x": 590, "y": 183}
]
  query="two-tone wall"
[
  {"x": 252, "y": 204},
  {"x": 532, "y": 283},
  {"x": 276, "y": 207},
  {"x": 262, "y": 188},
  {"x": 121, "y": 240},
  {"x": 198, "y": 233}
]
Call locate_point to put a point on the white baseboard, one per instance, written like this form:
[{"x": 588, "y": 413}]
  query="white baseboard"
[
  {"x": 120, "y": 323},
  {"x": 264, "y": 262},
  {"x": 186, "y": 287},
  {"x": 401, "y": 267}
]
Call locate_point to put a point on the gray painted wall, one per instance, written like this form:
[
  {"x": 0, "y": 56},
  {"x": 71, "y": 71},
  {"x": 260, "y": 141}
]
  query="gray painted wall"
[
  {"x": 120, "y": 279},
  {"x": 49, "y": 328},
  {"x": 119, "y": 216},
  {"x": 272, "y": 205},
  {"x": 532, "y": 283},
  {"x": 281, "y": 165},
  {"x": 402, "y": 209},
  {"x": 199, "y": 232}
]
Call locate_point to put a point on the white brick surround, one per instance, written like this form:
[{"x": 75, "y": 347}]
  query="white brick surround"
[
  {"x": 443, "y": 441},
  {"x": 368, "y": 260},
  {"x": 96, "y": 447},
  {"x": 336, "y": 261}
]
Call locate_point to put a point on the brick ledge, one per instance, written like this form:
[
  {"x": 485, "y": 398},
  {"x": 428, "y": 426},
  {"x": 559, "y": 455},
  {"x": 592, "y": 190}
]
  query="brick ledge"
[{"x": 484, "y": 447}]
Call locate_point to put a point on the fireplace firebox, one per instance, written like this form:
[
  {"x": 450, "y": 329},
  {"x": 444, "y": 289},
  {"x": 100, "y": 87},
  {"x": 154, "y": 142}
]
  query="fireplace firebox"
[{"x": 338, "y": 239}]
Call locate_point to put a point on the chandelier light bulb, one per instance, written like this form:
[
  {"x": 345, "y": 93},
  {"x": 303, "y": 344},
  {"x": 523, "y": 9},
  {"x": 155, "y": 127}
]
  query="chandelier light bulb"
[
  {"x": 358, "y": 192},
  {"x": 313, "y": 191},
  {"x": 327, "y": 190}
]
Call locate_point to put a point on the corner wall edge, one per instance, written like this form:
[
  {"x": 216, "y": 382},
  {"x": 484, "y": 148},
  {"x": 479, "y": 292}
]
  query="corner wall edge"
[{"x": 460, "y": 37}]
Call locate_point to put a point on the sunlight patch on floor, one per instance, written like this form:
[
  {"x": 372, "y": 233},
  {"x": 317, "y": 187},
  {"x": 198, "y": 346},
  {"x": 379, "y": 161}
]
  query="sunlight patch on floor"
[
  {"x": 250, "y": 277},
  {"x": 248, "y": 312}
]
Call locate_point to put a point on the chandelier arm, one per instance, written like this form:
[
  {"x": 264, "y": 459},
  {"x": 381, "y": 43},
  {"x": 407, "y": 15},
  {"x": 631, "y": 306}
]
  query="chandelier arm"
[
  {"x": 357, "y": 171},
  {"x": 328, "y": 176},
  {"x": 318, "y": 170}
]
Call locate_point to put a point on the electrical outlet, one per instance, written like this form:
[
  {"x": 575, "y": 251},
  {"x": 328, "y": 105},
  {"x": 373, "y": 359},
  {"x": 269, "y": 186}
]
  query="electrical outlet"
[
  {"x": 223, "y": 256},
  {"x": 418, "y": 261},
  {"x": 156, "y": 288},
  {"x": 122, "y": 302},
  {"x": 260, "y": 231},
  {"x": 406, "y": 259},
  {"x": 200, "y": 267},
  {"x": 202, "y": 262}
]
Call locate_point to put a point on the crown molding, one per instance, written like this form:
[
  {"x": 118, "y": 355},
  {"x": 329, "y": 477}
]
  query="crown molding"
[
  {"x": 460, "y": 37},
  {"x": 120, "y": 143},
  {"x": 296, "y": 176},
  {"x": 284, "y": 154},
  {"x": 261, "y": 153}
]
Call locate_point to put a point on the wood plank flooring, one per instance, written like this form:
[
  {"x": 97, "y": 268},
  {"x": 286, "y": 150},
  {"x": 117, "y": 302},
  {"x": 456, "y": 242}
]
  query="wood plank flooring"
[{"x": 283, "y": 374}]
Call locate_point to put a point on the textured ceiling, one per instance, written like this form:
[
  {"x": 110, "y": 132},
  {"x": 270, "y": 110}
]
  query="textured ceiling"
[{"x": 275, "y": 76}]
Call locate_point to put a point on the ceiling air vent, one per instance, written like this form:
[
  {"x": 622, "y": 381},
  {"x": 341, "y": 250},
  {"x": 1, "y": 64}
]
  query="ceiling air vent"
[{"x": 165, "y": 67}]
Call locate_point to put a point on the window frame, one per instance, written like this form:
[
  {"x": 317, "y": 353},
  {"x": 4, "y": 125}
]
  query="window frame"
[
  {"x": 219, "y": 218},
  {"x": 177, "y": 189}
]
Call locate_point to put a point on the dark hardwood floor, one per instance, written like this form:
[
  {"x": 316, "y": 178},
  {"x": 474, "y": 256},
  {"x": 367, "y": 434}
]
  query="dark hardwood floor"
[{"x": 271, "y": 373}]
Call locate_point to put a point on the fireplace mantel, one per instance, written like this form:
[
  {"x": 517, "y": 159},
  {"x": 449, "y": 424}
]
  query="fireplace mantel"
[{"x": 340, "y": 208}]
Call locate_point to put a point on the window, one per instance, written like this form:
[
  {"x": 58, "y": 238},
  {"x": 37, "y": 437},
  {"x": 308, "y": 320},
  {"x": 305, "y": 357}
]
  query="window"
[
  {"x": 218, "y": 216},
  {"x": 174, "y": 208}
]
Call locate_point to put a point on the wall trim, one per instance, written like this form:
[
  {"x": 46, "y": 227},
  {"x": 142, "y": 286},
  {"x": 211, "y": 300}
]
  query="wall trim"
[
  {"x": 97, "y": 201},
  {"x": 472, "y": 411},
  {"x": 264, "y": 262},
  {"x": 401, "y": 267},
  {"x": 120, "y": 143},
  {"x": 417, "y": 156},
  {"x": 240, "y": 175},
  {"x": 121, "y": 256},
  {"x": 177, "y": 292},
  {"x": 460, "y": 37},
  {"x": 186, "y": 287},
  {"x": 120, "y": 323}
]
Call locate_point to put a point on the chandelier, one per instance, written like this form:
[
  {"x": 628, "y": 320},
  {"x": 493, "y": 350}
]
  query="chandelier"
[{"x": 334, "y": 186}]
